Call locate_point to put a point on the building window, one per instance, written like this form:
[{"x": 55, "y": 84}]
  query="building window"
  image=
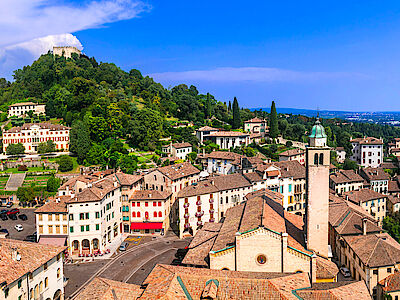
[
  {"x": 45, "y": 266},
  {"x": 58, "y": 273},
  {"x": 81, "y": 216},
  {"x": 97, "y": 227},
  {"x": 159, "y": 214},
  {"x": 261, "y": 259},
  {"x": 71, "y": 217},
  {"x": 133, "y": 214},
  {"x": 82, "y": 228},
  {"x": 19, "y": 283},
  {"x": 389, "y": 270},
  {"x": 316, "y": 159},
  {"x": 97, "y": 214},
  {"x": 138, "y": 214},
  {"x": 71, "y": 229},
  {"x": 155, "y": 214},
  {"x": 87, "y": 216},
  {"x": 375, "y": 272},
  {"x": 46, "y": 282},
  {"x": 146, "y": 204},
  {"x": 87, "y": 227}
]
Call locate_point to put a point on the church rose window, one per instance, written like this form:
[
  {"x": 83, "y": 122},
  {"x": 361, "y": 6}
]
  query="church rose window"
[{"x": 261, "y": 259}]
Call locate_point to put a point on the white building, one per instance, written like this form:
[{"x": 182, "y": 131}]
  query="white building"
[
  {"x": 95, "y": 217},
  {"x": 203, "y": 132},
  {"x": 207, "y": 201},
  {"x": 229, "y": 139},
  {"x": 32, "y": 134},
  {"x": 178, "y": 150},
  {"x": 20, "y": 109},
  {"x": 344, "y": 181},
  {"x": 367, "y": 151},
  {"x": 340, "y": 154},
  {"x": 31, "y": 271}
]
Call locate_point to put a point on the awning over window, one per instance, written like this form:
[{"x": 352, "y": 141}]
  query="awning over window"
[
  {"x": 147, "y": 225},
  {"x": 53, "y": 240}
]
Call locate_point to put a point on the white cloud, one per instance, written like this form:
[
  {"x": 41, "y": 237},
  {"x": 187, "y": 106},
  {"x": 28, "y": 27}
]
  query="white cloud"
[
  {"x": 24, "y": 20},
  {"x": 251, "y": 74},
  {"x": 30, "y": 28}
]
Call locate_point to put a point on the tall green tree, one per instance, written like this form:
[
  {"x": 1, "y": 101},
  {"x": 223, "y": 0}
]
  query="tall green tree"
[
  {"x": 15, "y": 149},
  {"x": 80, "y": 140},
  {"x": 236, "y": 114},
  {"x": 273, "y": 122}
]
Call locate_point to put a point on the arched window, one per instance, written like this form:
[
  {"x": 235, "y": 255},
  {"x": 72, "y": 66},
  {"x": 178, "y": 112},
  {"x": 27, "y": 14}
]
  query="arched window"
[
  {"x": 321, "y": 159},
  {"x": 138, "y": 214},
  {"x": 159, "y": 214},
  {"x": 46, "y": 282},
  {"x": 316, "y": 159},
  {"x": 155, "y": 214},
  {"x": 40, "y": 287},
  {"x": 133, "y": 214},
  {"x": 58, "y": 273}
]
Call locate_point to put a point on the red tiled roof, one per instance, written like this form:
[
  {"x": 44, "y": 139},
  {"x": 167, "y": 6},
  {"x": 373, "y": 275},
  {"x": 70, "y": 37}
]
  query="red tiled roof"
[
  {"x": 27, "y": 126},
  {"x": 391, "y": 283},
  {"x": 228, "y": 133},
  {"x": 178, "y": 171},
  {"x": 292, "y": 152},
  {"x": 363, "y": 195},
  {"x": 367, "y": 141}
]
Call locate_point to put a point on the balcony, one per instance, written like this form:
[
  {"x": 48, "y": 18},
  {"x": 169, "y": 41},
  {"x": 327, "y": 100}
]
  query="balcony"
[
  {"x": 212, "y": 210},
  {"x": 212, "y": 220},
  {"x": 211, "y": 200},
  {"x": 199, "y": 223},
  {"x": 199, "y": 213},
  {"x": 186, "y": 216},
  {"x": 187, "y": 225},
  {"x": 186, "y": 205},
  {"x": 198, "y": 202}
]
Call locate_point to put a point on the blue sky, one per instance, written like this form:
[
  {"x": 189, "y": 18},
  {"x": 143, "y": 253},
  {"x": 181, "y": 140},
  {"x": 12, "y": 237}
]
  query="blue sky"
[{"x": 302, "y": 54}]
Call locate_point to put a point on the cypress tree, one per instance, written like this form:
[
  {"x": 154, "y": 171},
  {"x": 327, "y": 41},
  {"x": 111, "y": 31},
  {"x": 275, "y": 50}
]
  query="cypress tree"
[
  {"x": 273, "y": 122},
  {"x": 236, "y": 114},
  {"x": 229, "y": 106}
]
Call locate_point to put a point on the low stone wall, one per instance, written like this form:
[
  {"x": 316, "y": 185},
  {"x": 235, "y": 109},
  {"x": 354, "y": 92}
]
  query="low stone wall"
[{"x": 29, "y": 163}]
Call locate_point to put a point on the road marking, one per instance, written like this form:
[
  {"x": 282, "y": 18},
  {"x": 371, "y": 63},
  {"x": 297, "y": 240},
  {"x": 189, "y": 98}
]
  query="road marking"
[
  {"x": 102, "y": 269},
  {"x": 137, "y": 269}
]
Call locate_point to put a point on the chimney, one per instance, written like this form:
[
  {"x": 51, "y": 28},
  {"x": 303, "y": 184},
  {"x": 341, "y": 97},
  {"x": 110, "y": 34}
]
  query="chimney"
[
  {"x": 15, "y": 256},
  {"x": 364, "y": 226}
]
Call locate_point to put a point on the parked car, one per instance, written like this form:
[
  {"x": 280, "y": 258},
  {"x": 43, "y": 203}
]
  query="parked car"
[
  {"x": 3, "y": 211},
  {"x": 4, "y": 231},
  {"x": 13, "y": 217},
  {"x": 18, "y": 227},
  {"x": 14, "y": 211},
  {"x": 30, "y": 238},
  {"x": 345, "y": 272},
  {"x": 9, "y": 204},
  {"x": 176, "y": 262},
  {"x": 23, "y": 217},
  {"x": 123, "y": 246},
  {"x": 4, "y": 217}
]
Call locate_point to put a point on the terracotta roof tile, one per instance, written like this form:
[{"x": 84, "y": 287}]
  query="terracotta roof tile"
[
  {"x": 391, "y": 283},
  {"x": 374, "y": 174},
  {"x": 33, "y": 255},
  {"x": 341, "y": 290},
  {"x": 363, "y": 195},
  {"x": 326, "y": 269},
  {"x": 181, "y": 145},
  {"x": 150, "y": 195},
  {"x": 57, "y": 204},
  {"x": 292, "y": 152},
  {"x": 27, "y": 126},
  {"x": 178, "y": 171},
  {"x": 198, "y": 188},
  {"x": 345, "y": 176},
  {"x": 228, "y": 133},
  {"x": 367, "y": 141}
]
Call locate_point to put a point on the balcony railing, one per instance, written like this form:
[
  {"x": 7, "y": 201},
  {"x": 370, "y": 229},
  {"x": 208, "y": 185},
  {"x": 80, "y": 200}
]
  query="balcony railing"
[
  {"x": 187, "y": 225},
  {"x": 198, "y": 202},
  {"x": 212, "y": 220},
  {"x": 186, "y": 216},
  {"x": 199, "y": 213},
  {"x": 186, "y": 205},
  {"x": 199, "y": 223},
  {"x": 212, "y": 210},
  {"x": 211, "y": 200}
]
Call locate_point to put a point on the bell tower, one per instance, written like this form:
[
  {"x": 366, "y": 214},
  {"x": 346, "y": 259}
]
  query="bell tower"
[{"x": 317, "y": 191}]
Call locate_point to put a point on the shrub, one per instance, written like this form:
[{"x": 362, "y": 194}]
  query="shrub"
[
  {"x": 22, "y": 168},
  {"x": 65, "y": 163}
]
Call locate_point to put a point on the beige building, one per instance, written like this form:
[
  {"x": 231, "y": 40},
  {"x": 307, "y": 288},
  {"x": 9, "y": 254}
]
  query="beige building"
[
  {"x": 390, "y": 287},
  {"x": 344, "y": 181},
  {"x": 66, "y": 51},
  {"x": 20, "y": 109},
  {"x": 32, "y": 134},
  {"x": 175, "y": 282},
  {"x": 373, "y": 202},
  {"x": 229, "y": 139},
  {"x": 377, "y": 179},
  {"x": 393, "y": 204},
  {"x": 178, "y": 150},
  {"x": 224, "y": 162},
  {"x": 256, "y": 126},
  {"x": 247, "y": 241},
  {"x": 31, "y": 271},
  {"x": 293, "y": 154}
]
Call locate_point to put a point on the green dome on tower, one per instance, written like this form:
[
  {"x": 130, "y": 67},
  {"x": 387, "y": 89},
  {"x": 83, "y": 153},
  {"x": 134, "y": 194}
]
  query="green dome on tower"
[{"x": 318, "y": 131}]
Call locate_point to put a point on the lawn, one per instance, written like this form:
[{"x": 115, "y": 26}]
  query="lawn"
[
  {"x": 3, "y": 182},
  {"x": 32, "y": 169}
]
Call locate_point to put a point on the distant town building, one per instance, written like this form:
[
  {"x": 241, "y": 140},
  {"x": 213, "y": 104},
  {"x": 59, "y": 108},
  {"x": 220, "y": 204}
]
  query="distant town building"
[
  {"x": 256, "y": 126},
  {"x": 66, "y": 51},
  {"x": 31, "y": 271},
  {"x": 20, "y": 109},
  {"x": 367, "y": 151},
  {"x": 32, "y": 134},
  {"x": 223, "y": 162},
  {"x": 343, "y": 181},
  {"x": 377, "y": 179},
  {"x": 178, "y": 150},
  {"x": 394, "y": 186},
  {"x": 373, "y": 202},
  {"x": 340, "y": 154},
  {"x": 388, "y": 288},
  {"x": 293, "y": 154},
  {"x": 229, "y": 139},
  {"x": 203, "y": 132}
]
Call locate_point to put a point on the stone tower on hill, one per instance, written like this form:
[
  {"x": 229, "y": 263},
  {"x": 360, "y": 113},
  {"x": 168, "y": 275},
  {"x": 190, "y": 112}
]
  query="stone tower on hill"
[
  {"x": 66, "y": 51},
  {"x": 317, "y": 199}
]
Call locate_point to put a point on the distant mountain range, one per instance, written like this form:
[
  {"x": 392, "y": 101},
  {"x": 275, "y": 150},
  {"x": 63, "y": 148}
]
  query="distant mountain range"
[{"x": 381, "y": 117}]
